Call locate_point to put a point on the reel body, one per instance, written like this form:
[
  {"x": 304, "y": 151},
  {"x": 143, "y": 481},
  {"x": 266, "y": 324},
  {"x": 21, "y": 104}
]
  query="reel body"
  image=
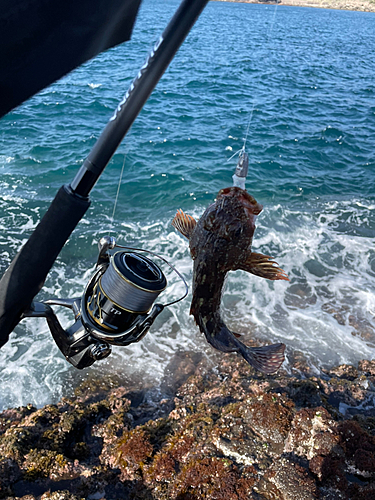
[{"x": 116, "y": 308}]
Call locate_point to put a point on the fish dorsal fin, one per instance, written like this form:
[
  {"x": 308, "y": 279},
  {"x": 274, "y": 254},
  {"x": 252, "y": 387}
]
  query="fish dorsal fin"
[{"x": 184, "y": 223}]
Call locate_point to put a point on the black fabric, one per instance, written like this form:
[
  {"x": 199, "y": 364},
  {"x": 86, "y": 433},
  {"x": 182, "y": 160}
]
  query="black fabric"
[
  {"x": 42, "y": 40},
  {"x": 29, "y": 268}
]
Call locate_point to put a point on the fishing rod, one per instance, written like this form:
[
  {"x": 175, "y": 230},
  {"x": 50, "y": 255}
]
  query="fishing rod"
[{"x": 27, "y": 273}]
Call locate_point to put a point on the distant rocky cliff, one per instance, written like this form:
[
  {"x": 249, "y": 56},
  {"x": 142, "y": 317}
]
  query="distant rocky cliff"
[
  {"x": 216, "y": 429},
  {"x": 361, "y": 5}
]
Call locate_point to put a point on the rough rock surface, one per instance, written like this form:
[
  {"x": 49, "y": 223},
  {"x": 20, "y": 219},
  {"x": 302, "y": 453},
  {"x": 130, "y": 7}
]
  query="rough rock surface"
[{"x": 218, "y": 430}]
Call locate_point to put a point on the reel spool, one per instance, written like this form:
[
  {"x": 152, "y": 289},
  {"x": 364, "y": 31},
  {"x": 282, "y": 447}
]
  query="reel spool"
[{"x": 129, "y": 286}]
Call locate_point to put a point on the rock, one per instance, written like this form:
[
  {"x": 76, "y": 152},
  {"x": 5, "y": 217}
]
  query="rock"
[
  {"x": 314, "y": 436},
  {"x": 181, "y": 366},
  {"x": 362, "y": 328},
  {"x": 217, "y": 430},
  {"x": 299, "y": 295},
  {"x": 368, "y": 367},
  {"x": 343, "y": 371},
  {"x": 286, "y": 480},
  {"x": 59, "y": 495},
  {"x": 299, "y": 364},
  {"x": 339, "y": 312},
  {"x": 347, "y": 314}
]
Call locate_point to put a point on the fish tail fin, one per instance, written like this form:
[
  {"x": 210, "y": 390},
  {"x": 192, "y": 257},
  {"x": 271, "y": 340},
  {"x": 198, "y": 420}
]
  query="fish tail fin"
[{"x": 266, "y": 359}]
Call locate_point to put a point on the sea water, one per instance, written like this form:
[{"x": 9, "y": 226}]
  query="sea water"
[{"x": 297, "y": 86}]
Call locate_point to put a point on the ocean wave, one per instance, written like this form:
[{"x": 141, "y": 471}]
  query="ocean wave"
[{"x": 327, "y": 309}]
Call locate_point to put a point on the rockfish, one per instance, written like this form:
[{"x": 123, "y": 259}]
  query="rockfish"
[{"x": 221, "y": 242}]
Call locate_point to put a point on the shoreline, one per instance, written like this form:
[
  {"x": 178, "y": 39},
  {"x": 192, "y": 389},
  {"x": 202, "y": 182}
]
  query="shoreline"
[{"x": 353, "y": 5}]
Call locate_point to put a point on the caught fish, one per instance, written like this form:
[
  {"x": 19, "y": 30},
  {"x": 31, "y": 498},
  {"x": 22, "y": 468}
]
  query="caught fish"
[{"x": 221, "y": 242}]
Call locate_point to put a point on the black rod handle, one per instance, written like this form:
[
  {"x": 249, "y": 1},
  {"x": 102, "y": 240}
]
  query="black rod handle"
[
  {"x": 28, "y": 270},
  {"x": 137, "y": 94}
]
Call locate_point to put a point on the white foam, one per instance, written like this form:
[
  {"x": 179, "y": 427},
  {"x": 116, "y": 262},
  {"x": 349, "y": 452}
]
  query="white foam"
[
  {"x": 328, "y": 264},
  {"x": 6, "y": 159}
]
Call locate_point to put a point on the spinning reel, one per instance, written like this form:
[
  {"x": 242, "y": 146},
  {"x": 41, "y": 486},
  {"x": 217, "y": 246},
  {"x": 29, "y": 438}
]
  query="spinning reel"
[{"x": 117, "y": 306}]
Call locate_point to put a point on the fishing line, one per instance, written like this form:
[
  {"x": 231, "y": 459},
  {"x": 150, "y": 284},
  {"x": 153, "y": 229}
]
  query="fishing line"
[
  {"x": 234, "y": 154},
  {"x": 248, "y": 127},
  {"x": 112, "y": 278},
  {"x": 118, "y": 189},
  {"x": 255, "y": 97}
]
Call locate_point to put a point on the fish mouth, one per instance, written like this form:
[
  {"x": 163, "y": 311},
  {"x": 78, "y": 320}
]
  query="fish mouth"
[{"x": 251, "y": 206}]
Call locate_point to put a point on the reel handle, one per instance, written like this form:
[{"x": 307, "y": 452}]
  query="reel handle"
[{"x": 77, "y": 345}]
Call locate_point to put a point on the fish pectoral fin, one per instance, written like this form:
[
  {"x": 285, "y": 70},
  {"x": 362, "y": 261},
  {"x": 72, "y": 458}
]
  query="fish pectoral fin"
[
  {"x": 184, "y": 223},
  {"x": 262, "y": 265}
]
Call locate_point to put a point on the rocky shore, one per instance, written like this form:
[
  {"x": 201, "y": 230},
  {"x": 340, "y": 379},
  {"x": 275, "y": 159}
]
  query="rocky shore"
[
  {"x": 215, "y": 429},
  {"x": 360, "y": 5}
]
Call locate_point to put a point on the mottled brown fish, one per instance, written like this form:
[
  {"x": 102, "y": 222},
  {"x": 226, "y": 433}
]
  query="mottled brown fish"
[{"x": 221, "y": 242}]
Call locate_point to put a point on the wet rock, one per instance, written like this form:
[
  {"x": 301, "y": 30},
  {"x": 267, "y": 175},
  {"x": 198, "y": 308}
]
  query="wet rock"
[
  {"x": 59, "y": 495},
  {"x": 219, "y": 430},
  {"x": 211, "y": 477},
  {"x": 286, "y": 480},
  {"x": 181, "y": 366},
  {"x": 253, "y": 431},
  {"x": 348, "y": 372},
  {"x": 338, "y": 311},
  {"x": 269, "y": 416},
  {"x": 362, "y": 328},
  {"x": 13, "y": 416},
  {"x": 346, "y": 314},
  {"x": 299, "y": 364},
  {"x": 10, "y": 473},
  {"x": 305, "y": 393},
  {"x": 130, "y": 452},
  {"x": 349, "y": 396},
  {"x": 299, "y": 295},
  {"x": 313, "y": 434},
  {"x": 359, "y": 447},
  {"x": 317, "y": 268},
  {"x": 367, "y": 367}
]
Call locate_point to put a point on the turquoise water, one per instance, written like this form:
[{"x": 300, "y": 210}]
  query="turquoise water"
[{"x": 298, "y": 85}]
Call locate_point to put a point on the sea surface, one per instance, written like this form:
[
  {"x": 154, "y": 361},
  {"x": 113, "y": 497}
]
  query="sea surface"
[{"x": 296, "y": 86}]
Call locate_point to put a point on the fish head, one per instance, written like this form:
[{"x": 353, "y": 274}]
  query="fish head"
[
  {"x": 243, "y": 198},
  {"x": 232, "y": 216}
]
